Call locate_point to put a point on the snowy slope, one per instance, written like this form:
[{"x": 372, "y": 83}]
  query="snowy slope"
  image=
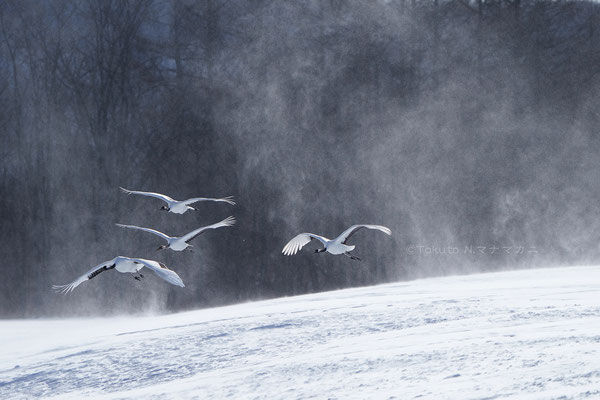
[{"x": 525, "y": 334}]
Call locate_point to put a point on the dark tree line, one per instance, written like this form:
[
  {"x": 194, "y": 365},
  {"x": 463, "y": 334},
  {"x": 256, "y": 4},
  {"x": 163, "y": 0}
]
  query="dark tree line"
[{"x": 455, "y": 123}]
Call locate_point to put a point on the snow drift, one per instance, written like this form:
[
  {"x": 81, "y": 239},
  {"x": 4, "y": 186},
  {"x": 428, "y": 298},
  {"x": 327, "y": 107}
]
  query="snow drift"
[{"x": 523, "y": 334}]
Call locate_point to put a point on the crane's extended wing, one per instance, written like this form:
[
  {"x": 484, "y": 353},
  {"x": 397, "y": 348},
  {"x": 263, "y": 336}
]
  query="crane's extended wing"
[
  {"x": 151, "y": 194},
  {"x": 228, "y": 200},
  {"x": 161, "y": 270},
  {"x": 157, "y": 233},
  {"x": 300, "y": 241},
  {"x": 229, "y": 221},
  {"x": 88, "y": 275},
  {"x": 354, "y": 228}
]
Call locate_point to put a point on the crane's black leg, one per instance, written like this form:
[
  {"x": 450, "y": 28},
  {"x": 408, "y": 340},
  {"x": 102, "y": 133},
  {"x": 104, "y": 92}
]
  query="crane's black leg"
[{"x": 352, "y": 256}]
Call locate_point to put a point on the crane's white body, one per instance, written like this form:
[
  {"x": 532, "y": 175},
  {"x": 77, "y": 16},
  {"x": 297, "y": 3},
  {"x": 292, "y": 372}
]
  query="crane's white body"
[
  {"x": 178, "y": 244},
  {"x": 336, "y": 247},
  {"x": 332, "y": 246},
  {"x": 128, "y": 265},
  {"x": 182, "y": 242},
  {"x": 124, "y": 265},
  {"x": 176, "y": 206}
]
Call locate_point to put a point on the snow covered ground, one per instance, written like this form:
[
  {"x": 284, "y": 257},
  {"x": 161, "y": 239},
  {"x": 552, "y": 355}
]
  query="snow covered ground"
[{"x": 531, "y": 334}]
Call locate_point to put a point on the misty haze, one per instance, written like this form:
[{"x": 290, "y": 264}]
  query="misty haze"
[{"x": 469, "y": 129}]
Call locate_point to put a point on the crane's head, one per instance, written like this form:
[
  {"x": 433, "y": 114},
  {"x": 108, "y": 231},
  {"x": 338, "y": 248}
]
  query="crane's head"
[
  {"x": 166, "y": 208},
  {"x": 161, "y": 247}
]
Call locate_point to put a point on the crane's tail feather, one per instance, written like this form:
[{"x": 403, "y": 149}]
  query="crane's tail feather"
[
  {"x": 63, "y": 289},
  {"x": 228, "y": 200}
]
